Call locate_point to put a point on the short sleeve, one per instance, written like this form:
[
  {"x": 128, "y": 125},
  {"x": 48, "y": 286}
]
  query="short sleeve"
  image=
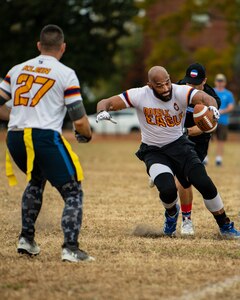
[
  {"x": 191, "y": 94},
  {"x": 131, "y": 97},
  {"x": 185, "y": 94},
  {"x": 72, "y": 91}
]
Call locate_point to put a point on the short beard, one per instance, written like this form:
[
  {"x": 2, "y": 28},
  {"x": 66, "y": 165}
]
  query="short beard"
[{"x": 164, "y": 99}]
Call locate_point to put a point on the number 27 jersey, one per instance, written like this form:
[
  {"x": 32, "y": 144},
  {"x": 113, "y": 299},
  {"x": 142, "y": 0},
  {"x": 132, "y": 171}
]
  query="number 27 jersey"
[{"x": 40, "y": 89}]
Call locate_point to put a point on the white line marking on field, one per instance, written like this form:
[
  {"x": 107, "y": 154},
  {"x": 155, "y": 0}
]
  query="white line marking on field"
[{"x": 209, "y": 290}]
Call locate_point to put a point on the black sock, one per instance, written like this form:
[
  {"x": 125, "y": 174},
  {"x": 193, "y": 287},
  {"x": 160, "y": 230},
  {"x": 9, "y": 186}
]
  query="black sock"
[{"x": 222, "y": 219}]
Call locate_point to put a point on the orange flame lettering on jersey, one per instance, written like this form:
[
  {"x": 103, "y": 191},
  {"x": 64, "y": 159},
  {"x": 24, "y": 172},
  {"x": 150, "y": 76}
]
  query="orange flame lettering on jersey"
[{"x": 161, "y": 117}]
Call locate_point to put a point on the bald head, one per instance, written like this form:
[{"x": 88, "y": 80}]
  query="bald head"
[
  {"x": 157, "y": 73},
  {"x": 159, "y": 81}
]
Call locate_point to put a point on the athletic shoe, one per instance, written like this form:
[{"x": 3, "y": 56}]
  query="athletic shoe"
[
  {"x": 75, "y": 255},
  {"x": 218, "y": 161},
  {"x": 229, "y": 231},
  {"x": 170, "y": 223},
  {"x": 28, "y": 247},
  {"x": 187, "y": 227},
  {"x": 151, "y": 182}
]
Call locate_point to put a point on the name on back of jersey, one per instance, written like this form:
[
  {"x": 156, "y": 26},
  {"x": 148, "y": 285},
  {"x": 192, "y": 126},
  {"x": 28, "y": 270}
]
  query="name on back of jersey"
[{"x": 36, "y": 69}]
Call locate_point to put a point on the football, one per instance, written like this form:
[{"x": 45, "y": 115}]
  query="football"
[{"x": 203, "y": 118}]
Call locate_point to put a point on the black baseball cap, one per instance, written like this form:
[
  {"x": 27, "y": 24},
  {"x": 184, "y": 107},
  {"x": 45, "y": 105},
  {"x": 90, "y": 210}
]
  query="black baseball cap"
[{"x": 195, "y": 74}]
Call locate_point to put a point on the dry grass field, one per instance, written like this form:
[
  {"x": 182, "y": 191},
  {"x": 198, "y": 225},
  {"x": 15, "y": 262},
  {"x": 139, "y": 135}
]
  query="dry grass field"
[{"x": 127, "y": 266}]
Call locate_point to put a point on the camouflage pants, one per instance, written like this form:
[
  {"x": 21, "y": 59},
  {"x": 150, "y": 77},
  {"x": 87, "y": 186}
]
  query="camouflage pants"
[
  {"x": 31, "y": 206},
  {"x": 72, "y": 195}
]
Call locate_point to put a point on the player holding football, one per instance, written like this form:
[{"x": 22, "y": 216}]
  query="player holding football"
[
  {"x": 43, "y": 89},
  {"x": 161, "y": 107},
  {"x": 195, "y": 77}
]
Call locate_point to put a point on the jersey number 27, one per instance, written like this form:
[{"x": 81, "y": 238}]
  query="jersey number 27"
[{"x": 28, "y": 80}]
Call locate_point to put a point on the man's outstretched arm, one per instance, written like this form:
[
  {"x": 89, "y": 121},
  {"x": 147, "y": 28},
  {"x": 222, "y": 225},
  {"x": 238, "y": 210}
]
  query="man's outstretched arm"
[
  {"x": 203, "y": 98},
  {"x": 111, "y": 104}
]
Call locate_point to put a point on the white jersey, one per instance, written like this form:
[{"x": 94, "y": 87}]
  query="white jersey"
[
  {"x": 160, "y": 122},
  {"x": 40, "y": 89}
]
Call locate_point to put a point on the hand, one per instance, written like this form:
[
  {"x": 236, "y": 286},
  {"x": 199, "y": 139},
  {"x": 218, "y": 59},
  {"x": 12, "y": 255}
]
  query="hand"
[
  {"x": 81, "y": 138},
  {"x": 104, "y": 115},
  {"x": 185, "y": 131},
  {"x": 216, "y": 113}
]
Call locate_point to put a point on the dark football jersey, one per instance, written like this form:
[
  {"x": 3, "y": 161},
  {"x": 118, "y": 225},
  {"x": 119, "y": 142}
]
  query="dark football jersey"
[{"x": 189, "y": 122}]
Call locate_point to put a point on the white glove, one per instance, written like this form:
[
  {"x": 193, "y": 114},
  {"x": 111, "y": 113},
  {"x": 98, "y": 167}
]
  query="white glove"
[
  {"x": 216, "y": 113},
  {"x": 104, "y": 115}
]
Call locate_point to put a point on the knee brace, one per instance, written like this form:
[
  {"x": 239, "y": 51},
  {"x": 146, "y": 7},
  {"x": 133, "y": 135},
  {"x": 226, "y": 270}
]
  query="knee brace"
[
  {"x": 199, "y": 178},
  {"x": 166, "y": 186}
]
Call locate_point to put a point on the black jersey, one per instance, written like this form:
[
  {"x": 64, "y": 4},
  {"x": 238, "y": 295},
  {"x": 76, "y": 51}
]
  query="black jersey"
[{"x": 189, "y": 122}]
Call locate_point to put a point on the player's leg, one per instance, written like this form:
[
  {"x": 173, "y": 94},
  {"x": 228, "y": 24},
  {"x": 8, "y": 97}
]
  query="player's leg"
[
  {"x": 32, "y": 196},
  {"x": 58, "y": 167},
  {"x": 160, "y": 171},
  {"x": 219, "y": 152},
  {"x": 221, "y": 139},
  {"x": 72, "y": 195},
  {"x": 186, "y": 194},
  {"x": 186, "y": 199},
  {"x": 31, "y": 206},
  {"x": 195, "y": 172},
  {"x": 163, "y": 179},
  {"x": 213, "y": 202}
]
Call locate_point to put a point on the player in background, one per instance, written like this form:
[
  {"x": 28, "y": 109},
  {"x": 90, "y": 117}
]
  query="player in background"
[
  {"x": 161, "y": 107},
  {"x": 43, "y": 90},
  {"x": 195, "y": 77},
  {"x": 227, "y": 105}
]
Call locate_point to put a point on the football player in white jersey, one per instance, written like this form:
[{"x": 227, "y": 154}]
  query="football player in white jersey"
[
  {"x": 42, "y": 91},
  {"x": 160, "y": 107}
]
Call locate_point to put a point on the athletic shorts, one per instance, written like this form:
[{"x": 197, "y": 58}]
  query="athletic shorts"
[
  {"x": 201, "y": 146},
  {"x": 52, "y": 160},
  {"x": 180, "y": 156},
  {"x": 221, "y": 132}
]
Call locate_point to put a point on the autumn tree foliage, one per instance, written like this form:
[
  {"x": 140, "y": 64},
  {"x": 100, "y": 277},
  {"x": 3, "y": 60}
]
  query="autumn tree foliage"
[{"x": 180, "y": 32}]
